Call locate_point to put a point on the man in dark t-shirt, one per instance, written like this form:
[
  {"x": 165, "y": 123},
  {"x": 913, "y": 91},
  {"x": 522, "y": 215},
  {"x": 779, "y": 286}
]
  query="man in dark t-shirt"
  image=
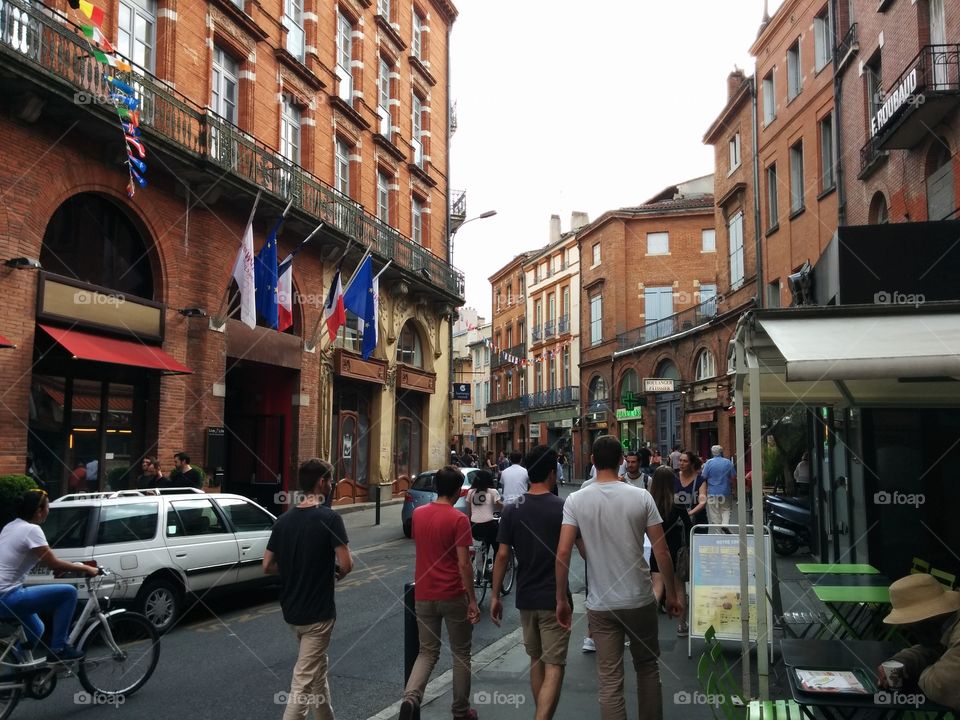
[
  {"x": 532, "y": 528},
  {"x": 184, "y": 475},
  {"x": 308, "y": 547}
]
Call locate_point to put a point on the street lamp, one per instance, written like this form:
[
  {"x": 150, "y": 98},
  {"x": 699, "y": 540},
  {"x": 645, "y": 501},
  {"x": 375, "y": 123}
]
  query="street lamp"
[{"x": 481, "y": 216}]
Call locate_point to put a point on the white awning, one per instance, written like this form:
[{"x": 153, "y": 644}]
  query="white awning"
[{"x": 861, "y": 347}]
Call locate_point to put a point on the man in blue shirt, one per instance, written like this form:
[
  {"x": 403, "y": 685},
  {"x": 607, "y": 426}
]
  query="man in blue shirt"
[{"x": 720, "y": 475}]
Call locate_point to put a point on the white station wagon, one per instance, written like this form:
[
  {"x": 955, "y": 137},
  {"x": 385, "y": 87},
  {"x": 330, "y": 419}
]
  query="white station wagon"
[{"x": 162, "y": 545}]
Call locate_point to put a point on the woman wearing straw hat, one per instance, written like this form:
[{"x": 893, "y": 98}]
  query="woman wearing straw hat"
[{"x": 932, "y": 615}]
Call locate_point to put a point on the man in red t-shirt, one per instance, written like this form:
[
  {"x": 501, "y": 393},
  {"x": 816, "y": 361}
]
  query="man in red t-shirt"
[{"x": 444, "y": 595}]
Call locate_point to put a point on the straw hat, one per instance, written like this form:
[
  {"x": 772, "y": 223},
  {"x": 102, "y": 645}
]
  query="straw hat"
[{"x": 919, "y": 597}]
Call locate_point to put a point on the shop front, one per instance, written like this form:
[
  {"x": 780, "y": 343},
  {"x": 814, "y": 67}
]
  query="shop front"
[
  {"x": 502, "y": 432},
  {"x": 630, "y": 426},
  {"x": 703, "y": 431}
]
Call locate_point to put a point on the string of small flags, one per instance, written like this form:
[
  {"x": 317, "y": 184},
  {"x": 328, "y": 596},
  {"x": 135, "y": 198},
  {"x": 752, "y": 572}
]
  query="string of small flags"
[
  {"x": 543, "y": 356},
  {"x": 121, "y": 94}
]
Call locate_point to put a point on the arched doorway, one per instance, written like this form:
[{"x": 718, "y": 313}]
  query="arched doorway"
[
  {"x": 879, "y": 213},
  {"x": 411, "y": 407},
  {"x": 89, "y": 424},
  {"x": 669, "y": 412}
]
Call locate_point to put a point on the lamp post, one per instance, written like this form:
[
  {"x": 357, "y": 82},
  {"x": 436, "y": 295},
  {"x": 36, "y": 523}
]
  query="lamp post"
[{"x": 481, "y": 216}]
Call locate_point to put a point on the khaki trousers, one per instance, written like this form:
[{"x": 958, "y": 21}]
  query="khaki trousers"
[
  {"x": 309, "y": 688},
  {"x": 430, "y": 615}
]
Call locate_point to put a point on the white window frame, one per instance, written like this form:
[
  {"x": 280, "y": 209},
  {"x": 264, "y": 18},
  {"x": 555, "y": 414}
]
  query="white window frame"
[
  {"x": 293, "y": 22},
  {"x": 416, "y": 118},
  {"x": 341, "y": 174},
  {"x": 823, "y": 38},
  {"x": 706, "y": 365},
  {"x": 225, "y": 74},
  {"x": 383, "y": 196},
  {"x": 291, "y": 121},
  {"x": 735, "y": 157},
  {"x": 735, "y": 234},
  {"x": 383, "y": 8},
  {"x": 769, "y": 98},
  {"x": 344, "y": 69},
  {"x": 796, "y": 178},
  {"x": 416, "y": 221},
  {"x": 596, "y": 319},
  {"x": 708, "y": 240},
  {"x": 773, "y": 294},
  {"x": 596, "y": 254},
  {"x": 794, "y": 70},
  {"x": 416, "y": 35},
  {"x": 383, "y": 96},
  {"x": 658, "y": 243},
  {"x": 127, "y": 40}
]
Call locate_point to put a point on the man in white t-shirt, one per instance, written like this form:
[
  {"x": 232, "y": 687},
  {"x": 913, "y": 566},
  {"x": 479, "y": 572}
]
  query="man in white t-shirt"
[
  {"x": 612, "y": 517},
  {"x": 514, "y": 479}
]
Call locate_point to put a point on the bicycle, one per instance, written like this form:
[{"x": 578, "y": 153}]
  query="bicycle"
[
  {"x": 482, "y": 555},
  {"x": 116, "y": 643}
]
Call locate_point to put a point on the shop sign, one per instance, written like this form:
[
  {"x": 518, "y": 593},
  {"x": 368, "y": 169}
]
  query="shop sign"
[
  {"x": 658, "y": 385},
  {"x": 534, "y": 432},
  {"x": 500, "y": 426},
  {"x": 461, "y": 391},
  {"x": 483, "y": 432},
  {"x": 636, "y": 413},
  {"x": 897, "y": 98}
]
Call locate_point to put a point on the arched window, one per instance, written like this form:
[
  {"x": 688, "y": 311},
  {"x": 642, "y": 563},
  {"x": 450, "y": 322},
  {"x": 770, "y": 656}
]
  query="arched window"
[
  {"x": 598, "y": 389},
  {"x": 629, "y": 384},
  {"x": 89, "y": 238},
  {"x": 706, "y": 365},
  {"x": 667, "y": 369},
  {"x": 940, "y": 195},
  {"x": 879, "y": 213},
  {"x": 409, "y": 350}
]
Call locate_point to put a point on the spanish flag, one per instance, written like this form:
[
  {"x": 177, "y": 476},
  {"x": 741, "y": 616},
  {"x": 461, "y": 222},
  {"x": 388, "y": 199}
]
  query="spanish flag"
[{"x": 92, "y": 11}]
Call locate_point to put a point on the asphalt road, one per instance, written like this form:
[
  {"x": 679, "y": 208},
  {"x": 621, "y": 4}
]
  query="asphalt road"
[{"x": 231, "y": 655}]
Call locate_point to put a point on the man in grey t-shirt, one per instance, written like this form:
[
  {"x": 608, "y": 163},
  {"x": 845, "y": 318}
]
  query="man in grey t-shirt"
[{"x": 612, "y": 518}]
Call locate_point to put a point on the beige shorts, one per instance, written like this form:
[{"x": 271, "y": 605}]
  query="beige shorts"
[{"x": 543, "y": 637}]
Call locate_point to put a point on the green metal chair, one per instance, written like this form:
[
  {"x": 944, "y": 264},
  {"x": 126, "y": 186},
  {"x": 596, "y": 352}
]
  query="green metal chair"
[
  {"x": 919, "y": 566},
  {"x": 944, "y": 578}
]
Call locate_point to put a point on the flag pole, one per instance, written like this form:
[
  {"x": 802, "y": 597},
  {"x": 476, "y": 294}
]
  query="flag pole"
[
  {"x": 356, "y": 270},
  {"x": 311, "y": 344},
  {"x": 218, "y": 320},
  {"x": 383, "y": 270}
]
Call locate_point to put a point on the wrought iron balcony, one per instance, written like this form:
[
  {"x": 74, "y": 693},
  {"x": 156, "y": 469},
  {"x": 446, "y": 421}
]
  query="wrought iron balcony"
[
  {"x": 506, "y": 357},
  {"x": 536, "y": 333},
  {"x": 677, "y": 323},
  {"x": 557, "y": 397},
  {"x": 563, "y": 324},
  {"x": 40, "y": 46},
  {"x": 513, "y": 406},
  {"x": 846, "y": 48},
  {"x": 548, "y": 329}
]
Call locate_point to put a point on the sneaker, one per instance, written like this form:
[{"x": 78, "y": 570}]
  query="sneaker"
[
  {"x": 683, "y": 630},
  {"x": 409, "y": 709},
  {"x": 64, "y": 654},
  {"x": 588, "y": 645}
]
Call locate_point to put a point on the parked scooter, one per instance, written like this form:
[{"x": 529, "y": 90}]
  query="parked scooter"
[{"x": 789, "y": 521}]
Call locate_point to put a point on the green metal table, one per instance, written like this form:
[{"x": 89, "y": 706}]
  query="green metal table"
[
  {"x": 837, "y": 569},
  {"x": 857, "y": 609}
]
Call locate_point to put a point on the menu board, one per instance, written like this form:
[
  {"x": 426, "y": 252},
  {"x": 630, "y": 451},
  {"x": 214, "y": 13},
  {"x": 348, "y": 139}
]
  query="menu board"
[{"x": 715, "y": 585}]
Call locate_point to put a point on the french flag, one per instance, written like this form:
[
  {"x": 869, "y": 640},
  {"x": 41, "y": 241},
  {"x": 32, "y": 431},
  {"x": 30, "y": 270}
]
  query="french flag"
[
  {"x": 334, "y": 312},
  {"x": 285, "y": 294}
]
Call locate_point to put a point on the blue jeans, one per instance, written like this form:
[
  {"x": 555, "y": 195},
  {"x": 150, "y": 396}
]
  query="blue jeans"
[{"x": 23, "y": 603}]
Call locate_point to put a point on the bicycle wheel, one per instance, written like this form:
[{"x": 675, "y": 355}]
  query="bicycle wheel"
[
  {"x": 108, "y": 673},
  {"x": 9, "y": 680},
  {"x": 510, "y": 575},
  {"x": 479, "y": 573}
]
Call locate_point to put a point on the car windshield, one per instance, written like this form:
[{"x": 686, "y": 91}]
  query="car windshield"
[
  {"x": 424, "y": 483},
  {"x": 66, "y": 527}
]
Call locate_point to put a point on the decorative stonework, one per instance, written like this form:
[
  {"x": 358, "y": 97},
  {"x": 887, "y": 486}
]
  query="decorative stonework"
[{"x": 228, "y": 27}]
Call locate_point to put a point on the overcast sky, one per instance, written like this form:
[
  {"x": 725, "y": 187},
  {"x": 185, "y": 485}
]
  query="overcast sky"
[{"x": 566, "y": 106}]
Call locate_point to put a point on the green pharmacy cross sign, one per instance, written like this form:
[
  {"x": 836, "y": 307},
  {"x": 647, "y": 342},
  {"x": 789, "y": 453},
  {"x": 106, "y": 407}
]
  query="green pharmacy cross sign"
[{"x": 629, "y": 400}]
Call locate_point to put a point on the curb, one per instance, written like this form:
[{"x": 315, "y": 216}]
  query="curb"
[{"x": 360, "y": 507}]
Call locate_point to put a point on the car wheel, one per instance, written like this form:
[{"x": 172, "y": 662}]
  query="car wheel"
[
  {"x": 408, "y": 529},
  {"x": 161, "y": 602}
]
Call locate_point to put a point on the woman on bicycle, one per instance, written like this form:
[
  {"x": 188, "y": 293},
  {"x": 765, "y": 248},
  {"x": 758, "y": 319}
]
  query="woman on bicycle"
[
  {"x": 483, "y": 501},
  {"x": 23, "y": 545}
]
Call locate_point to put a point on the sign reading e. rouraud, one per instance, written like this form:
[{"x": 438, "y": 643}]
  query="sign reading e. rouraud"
[{"x": 655, "y": 385}]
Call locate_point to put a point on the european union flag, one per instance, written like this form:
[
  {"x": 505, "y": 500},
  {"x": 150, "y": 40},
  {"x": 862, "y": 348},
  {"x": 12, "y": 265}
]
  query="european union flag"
[{"x": 265, "y": 273}]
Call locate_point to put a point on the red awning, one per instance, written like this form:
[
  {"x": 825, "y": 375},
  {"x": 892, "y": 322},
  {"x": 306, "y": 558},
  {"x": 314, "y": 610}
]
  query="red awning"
[
  {"x": 4, "y": 343},
  {"x": 99, "y": 348}
]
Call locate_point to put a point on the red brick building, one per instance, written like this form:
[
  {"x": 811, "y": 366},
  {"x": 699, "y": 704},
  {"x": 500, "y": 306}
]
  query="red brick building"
[
  {"x": 647, "y": 274},
  {"x": 898, "y": 72},
  {"x": 341, "y": 109}
]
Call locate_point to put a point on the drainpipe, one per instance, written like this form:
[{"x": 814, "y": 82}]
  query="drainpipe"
[
  {"x": 758, "y": 233},
  {"x": 446, "y": 239},
  {"x": 837, "y": 154}
]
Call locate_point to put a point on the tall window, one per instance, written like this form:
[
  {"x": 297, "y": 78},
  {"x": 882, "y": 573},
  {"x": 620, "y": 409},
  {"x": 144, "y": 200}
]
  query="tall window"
[
  {"x": 417, "y": 39},
  {"x": 658, "y": 243},
  {"x": 566, "y": 366},
  {"x": 565, "y": 302},
  {"x": 827, "y": 174},
  {"x": 383, "y": 8},
  {"x": 735, "y": 231},
  {"x": 409, "y": 350},
  {"x": 290, "y": 129},
  {"x": 773, "y": 294},
  {"x": 417, "y": 134},
  {"x": 596, "y": 319},
  {"x": 873, "y": 76},
  {"x": 137, "y": 31},
  {"x": 224, "y": 90},
  {"x": 293, "y": 22},
  {"x": 416, "y": 221},
  {"x": 383, "y": 97},
  {"x": 383, "y": 196},
  {"x": 707, "y": 298},
  {"x": 796, "y": 177},
  {"x": 538, "y": 320},
  {"x": 708, "y": 240},
  {"x": 706, "y": 365},
  {"x": 735, "y": 151},
  {"x": 879, "y": 214},
  {"x": 773, "y": 209},
  {"x": 823, "y": 38},
  {"x": 342, "y": 167},
  {"x": 344, "y": 57},
  {"x": 596, "y": 254},
  {"x": 769, "y": 99},
  {"x": 794, "y": 71}
]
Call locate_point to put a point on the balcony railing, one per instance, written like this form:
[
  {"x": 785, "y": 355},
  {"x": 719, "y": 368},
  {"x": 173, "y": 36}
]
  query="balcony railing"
[
  {"x": 845, "y": 48},
  {"x": 553, "y": 398},
  {"x": 676, "y": 323},
  {"x": 548, "y": 329},
  {"x": 58, "y": 55},
  {"x": 536, "y": 333},
  {"x": 513, "y": 406},
  {"x": 509, "y": 356},
  {"x": 563, "y": 324}
]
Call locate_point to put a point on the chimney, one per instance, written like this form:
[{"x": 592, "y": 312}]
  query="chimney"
[
  {"x": 734, "y": 81},
  {"x": 578, "y": 219},
  {"x": 554, "y": 228}
]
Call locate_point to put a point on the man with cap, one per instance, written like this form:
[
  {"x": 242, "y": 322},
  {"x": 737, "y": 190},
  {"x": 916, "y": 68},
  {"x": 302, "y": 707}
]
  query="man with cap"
[{"x": 931, "y": 613}]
